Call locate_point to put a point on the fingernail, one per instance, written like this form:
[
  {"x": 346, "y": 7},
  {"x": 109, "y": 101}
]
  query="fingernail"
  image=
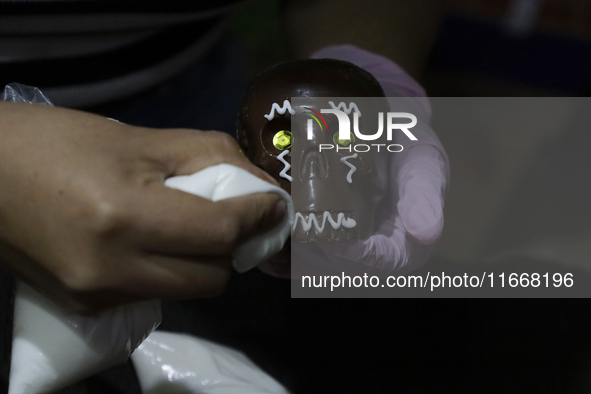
[{"x": 279, "y": 212}]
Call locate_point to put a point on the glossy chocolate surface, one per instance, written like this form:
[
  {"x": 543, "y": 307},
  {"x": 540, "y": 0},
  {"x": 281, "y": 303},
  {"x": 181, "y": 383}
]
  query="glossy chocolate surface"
[{"x": 319, "y": 179}]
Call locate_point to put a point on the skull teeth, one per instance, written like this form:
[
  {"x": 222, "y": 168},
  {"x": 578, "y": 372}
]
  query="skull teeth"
[{"x": 318, "y": 221}]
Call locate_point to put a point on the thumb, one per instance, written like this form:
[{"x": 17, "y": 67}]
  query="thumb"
[
  {"x": 255, "y": 213},
  {"x": 182, "y": 223}
]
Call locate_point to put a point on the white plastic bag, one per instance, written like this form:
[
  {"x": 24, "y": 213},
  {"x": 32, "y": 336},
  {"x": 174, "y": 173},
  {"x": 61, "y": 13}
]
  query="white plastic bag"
[
  {"x": 52, "y": 349},
  {"x": 168, "y": 363}
]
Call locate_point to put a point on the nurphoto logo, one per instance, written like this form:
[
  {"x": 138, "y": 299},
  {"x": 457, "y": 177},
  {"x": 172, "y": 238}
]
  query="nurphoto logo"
[{"x": 346, "y": 138}]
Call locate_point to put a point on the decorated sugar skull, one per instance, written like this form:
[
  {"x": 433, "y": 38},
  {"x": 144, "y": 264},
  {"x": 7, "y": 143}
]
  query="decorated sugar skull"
[{"x": 281, "y": 128}]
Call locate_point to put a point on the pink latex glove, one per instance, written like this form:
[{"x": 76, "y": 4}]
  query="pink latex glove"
[{"x": 414, "y": 219}]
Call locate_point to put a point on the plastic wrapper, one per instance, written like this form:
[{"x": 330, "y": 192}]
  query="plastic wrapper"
[
  {"x": 53, "y": 348},
  {"x": 17, "y": 93},
  {"x": 168, "y": 363}
]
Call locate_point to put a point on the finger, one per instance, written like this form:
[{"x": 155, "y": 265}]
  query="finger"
[
  {"x": 178, "y": 222},
  {"x": 381, "y": 253},
  {"x": 390, "y": 250},
  {"x": 421, "y": 187},
  {"x": 184, "y": 152}
]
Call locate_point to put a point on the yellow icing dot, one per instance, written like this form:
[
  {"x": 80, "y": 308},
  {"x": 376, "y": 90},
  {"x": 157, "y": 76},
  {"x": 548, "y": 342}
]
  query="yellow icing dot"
[{"x": 282, "y": 140}]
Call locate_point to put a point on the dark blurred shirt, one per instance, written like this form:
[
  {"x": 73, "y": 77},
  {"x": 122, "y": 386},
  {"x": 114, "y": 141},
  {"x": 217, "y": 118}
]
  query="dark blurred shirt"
[{"x": 88, "y": 52}]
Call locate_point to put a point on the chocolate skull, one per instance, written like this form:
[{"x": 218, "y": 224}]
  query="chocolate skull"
[{"x": 334, "y": 192}]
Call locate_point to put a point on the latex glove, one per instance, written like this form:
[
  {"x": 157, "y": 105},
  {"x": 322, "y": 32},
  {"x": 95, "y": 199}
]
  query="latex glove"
[{"x": 413, "y": 218}]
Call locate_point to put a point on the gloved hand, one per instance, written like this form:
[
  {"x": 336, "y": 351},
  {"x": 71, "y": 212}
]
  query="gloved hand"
[{"x": 413, "y": 218}]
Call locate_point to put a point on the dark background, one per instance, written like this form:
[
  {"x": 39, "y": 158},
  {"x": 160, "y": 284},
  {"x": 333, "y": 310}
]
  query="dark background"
[
  {"x": 484, "y": 48},
  {"x": 402, "y": 345}
]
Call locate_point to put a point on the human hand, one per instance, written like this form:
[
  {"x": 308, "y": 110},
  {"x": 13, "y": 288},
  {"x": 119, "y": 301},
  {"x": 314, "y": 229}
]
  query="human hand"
[
  {"x": 413, "y": 218},
  {"x": 85, "y": 217}
]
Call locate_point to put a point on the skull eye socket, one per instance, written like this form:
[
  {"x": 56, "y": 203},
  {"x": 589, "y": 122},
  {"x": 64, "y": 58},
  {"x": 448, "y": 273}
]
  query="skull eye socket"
[
  {"x": 282, "y": 140},
  {"x": 340, "y": 142}
]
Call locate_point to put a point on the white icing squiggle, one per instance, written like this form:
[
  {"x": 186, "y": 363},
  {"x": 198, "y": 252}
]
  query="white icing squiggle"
[
  {"x": 280, "y": 110},
  {"x": 351, "y": 166},
  {"x": 343, "y": 107},
  {"x": 307, "y": 223},
  {"x": 283, "y": 173}
]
